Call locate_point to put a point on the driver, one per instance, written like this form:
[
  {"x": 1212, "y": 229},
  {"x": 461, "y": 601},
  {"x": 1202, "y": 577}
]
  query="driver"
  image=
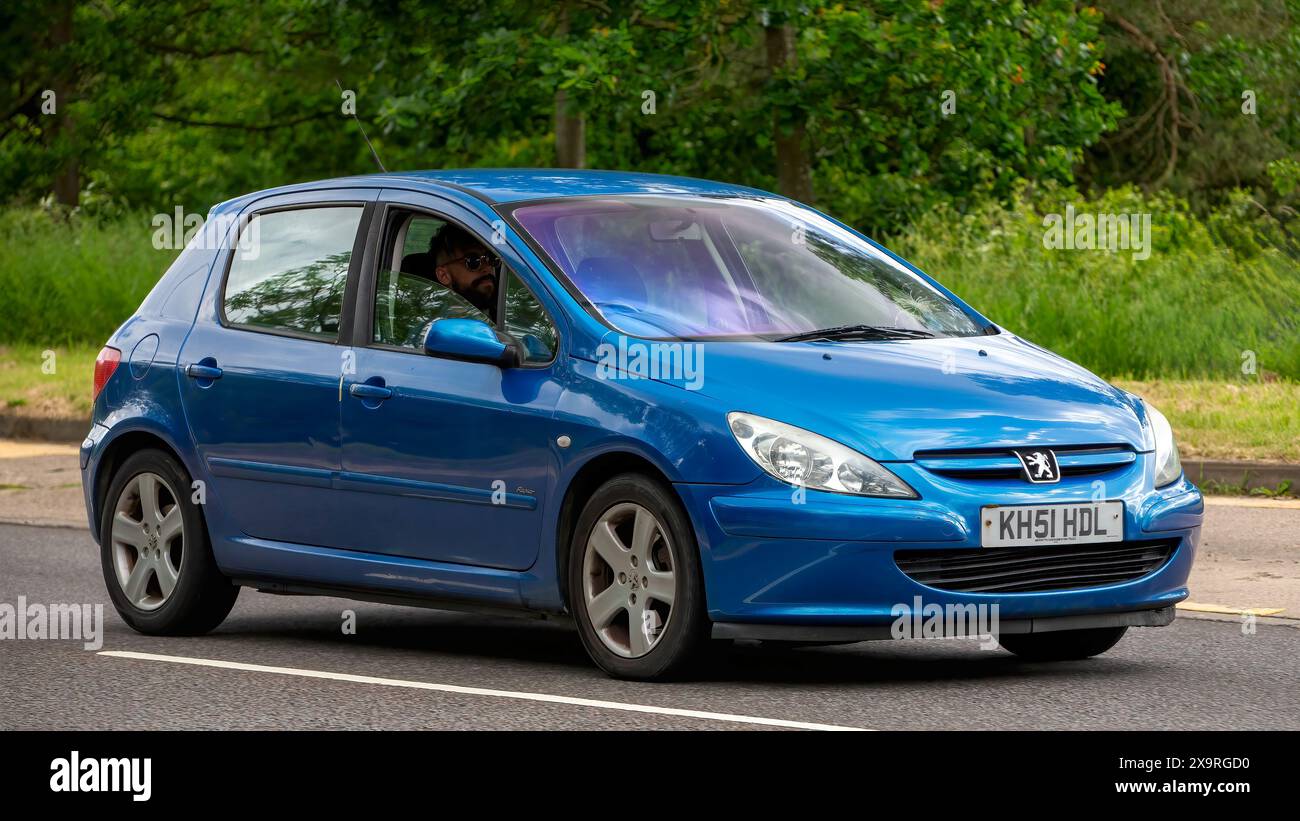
[{"x": 465, "y": 266}]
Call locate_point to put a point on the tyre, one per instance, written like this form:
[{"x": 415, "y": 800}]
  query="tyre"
[
  {"x": 635, "y": 585},
  {"x": 1064, "y": 645},
  {"x": 155, "y": 552}
]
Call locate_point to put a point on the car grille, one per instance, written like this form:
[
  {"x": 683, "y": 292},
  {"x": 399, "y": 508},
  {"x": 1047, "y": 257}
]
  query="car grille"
[
  {"x": 1034, "y": 569},
  {"x": 1000, "y": 463}
]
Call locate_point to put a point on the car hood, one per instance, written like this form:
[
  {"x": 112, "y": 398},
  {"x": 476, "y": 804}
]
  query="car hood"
[{"x": 891, "y": 399}]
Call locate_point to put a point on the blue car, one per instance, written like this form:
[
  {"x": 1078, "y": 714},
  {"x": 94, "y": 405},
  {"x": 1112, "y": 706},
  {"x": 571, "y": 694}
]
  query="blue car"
[{"x": 664, "y": 410}]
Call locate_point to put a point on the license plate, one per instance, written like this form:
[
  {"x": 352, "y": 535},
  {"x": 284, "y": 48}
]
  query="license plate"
[{"x": 1027, "y": 525}]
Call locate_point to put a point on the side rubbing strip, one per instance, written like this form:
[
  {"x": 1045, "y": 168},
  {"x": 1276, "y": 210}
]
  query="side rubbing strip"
[{"x": 267, "y": 472}]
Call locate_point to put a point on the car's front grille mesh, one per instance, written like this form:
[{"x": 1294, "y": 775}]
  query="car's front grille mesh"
[
  {"x": 1000, "y": 463},
  {"x": 1034, "y": 569}
]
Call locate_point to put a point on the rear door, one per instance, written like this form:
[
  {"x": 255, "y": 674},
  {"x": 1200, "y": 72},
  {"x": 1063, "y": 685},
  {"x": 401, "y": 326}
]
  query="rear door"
[{"x": 262, "y": 369}]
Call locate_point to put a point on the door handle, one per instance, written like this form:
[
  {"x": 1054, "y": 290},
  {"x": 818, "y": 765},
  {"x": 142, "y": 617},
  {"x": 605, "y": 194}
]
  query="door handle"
[
  {"x": 363, "y": 390},
  {"x": 197, "y": 371}
]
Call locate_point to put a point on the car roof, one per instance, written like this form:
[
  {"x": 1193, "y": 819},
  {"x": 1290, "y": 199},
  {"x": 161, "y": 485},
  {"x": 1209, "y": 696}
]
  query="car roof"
[{"x": 509, "y": 185}]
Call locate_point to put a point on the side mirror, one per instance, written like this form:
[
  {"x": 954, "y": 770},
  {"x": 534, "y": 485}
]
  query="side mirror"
[
  {"x": 536, "y": 349},
  {"x": 470, "y": 340}
]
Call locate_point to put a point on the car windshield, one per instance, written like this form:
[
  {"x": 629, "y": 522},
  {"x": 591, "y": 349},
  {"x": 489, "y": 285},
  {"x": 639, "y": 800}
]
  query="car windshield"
[{"x": 734, "y": 267}]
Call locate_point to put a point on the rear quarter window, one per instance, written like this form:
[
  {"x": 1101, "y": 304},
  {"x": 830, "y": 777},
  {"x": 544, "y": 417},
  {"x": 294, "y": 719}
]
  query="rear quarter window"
[{"x": 178, "y": 291}]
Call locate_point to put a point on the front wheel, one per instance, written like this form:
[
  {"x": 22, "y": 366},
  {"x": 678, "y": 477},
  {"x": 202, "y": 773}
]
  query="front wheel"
[
  {"x": 635, "y": 585},
  {"x": 1064, "y": 645},
  {"x": 155, "y": 552}
]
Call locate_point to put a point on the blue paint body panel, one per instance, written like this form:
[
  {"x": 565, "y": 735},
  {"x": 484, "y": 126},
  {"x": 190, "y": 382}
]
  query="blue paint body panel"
[{"x": 443, "y": 478}]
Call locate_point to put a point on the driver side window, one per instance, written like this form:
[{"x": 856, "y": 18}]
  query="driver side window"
[
  {"x": 527, "y": 321},
  {"x": 408, "y": 296}
]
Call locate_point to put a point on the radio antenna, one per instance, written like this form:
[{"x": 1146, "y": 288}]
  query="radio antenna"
[{"x": 365, "y": 136}]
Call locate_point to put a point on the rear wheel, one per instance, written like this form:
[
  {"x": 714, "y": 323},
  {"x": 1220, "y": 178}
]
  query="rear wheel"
[
  {"x": 635, "y": 584},
  {"x": 155, "y": 553},
  {"x": 1064, "y": 645}
]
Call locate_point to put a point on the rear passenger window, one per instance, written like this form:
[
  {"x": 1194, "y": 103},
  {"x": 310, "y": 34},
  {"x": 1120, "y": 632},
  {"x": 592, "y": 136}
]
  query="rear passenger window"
[{"x": 290, "y": 269}]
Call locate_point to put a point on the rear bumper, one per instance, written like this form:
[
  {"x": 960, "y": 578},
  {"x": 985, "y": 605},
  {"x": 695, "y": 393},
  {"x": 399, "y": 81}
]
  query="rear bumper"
[{"x": 91, "y": 450}]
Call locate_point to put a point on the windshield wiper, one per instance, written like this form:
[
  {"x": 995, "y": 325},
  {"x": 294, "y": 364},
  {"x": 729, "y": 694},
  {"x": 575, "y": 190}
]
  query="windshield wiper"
[{"x": 858, "y": 332}]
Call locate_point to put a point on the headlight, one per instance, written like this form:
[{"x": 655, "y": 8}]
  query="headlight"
[
  {"x": 1168, "y": 467},
  {"x": 801, "y": 457}
]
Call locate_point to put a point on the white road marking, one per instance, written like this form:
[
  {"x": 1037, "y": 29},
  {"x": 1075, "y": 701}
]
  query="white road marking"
[{"x": 478, "y": 691}]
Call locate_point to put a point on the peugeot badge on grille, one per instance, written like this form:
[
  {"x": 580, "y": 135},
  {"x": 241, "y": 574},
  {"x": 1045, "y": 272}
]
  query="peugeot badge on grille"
[{"x": 1039, "y": 464}]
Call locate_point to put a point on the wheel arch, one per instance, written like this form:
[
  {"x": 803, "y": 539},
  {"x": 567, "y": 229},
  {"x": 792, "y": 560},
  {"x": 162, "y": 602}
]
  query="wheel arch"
[
  {"x": 588, "y": 478},
  {"x": 118, "y": 450}
]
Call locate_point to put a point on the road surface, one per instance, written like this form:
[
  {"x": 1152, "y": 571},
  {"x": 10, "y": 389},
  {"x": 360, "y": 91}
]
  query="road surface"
[{"x": 285, "y": 662}]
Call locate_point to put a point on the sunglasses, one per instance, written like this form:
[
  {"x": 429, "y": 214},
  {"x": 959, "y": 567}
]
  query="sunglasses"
[{"x": 474, "y": 261}]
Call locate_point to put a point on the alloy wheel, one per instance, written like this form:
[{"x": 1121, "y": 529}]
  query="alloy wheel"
[
  {"x": 148, "y": 538},
  {"x": 628, "y": 579}
]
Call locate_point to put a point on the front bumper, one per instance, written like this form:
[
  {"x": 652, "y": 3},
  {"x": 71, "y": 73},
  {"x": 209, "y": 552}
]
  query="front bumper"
[
  {"x": 819, "y": 560},
  {"x": 876, "y": 632}
]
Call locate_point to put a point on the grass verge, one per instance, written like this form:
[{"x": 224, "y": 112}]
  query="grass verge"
[
  {"x": 1228, "y": 420},
  {"x": 47, "y": 382}
]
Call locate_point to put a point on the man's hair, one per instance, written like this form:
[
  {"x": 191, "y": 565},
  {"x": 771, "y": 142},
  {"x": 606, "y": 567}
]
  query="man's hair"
[{"x": 449, "y": 240}]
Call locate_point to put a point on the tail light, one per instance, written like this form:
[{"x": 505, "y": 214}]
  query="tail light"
[{"x": 105, "y": 364}]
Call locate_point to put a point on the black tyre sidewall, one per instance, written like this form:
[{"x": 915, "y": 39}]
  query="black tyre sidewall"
[
  {"x": 686, "y": 633},
  {"x": 1065, "y": 645},
  {"x": 202, "y": 597}
]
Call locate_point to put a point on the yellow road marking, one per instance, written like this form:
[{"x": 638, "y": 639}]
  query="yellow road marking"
[
  {"x": 1251, "y": 501},
  {"x": 12, "y": 449},
  {"x": 1198, "y": 607}
]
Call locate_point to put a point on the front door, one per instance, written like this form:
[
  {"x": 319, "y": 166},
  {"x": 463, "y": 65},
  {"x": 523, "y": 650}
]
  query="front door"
[{"x": 442, "y": 459}]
